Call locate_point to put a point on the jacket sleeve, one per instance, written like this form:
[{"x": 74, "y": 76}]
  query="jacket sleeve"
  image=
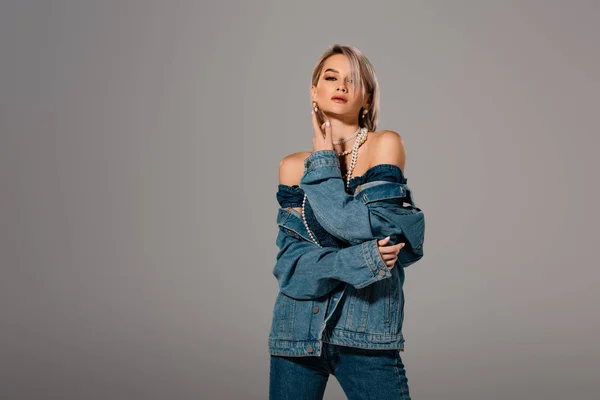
[
  {"x": 354, "y": 221},
  {"x": 338, "y": 212},
  {"x": 305, "y": 271}
]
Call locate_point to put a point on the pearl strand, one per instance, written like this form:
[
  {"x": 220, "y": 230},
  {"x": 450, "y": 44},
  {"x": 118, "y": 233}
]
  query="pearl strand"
[
  {"x": 344, "y": 140},
  {"x": 359, "y": 141},
  {"x": 312, "y": 236},
  {"x": 362, "y": 137}
]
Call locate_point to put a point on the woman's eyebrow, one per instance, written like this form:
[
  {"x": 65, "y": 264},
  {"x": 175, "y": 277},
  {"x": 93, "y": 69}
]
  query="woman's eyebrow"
[{"x": 332, "y": 70}]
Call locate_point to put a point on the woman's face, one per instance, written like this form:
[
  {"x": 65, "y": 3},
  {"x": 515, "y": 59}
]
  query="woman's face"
[{"x": 335, "y": 81}]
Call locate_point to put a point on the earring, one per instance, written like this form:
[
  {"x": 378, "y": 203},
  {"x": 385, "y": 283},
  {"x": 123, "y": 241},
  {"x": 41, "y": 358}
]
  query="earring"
[
  {"x": 314, "y": 104},
  {"x": 365, "y": 112}
]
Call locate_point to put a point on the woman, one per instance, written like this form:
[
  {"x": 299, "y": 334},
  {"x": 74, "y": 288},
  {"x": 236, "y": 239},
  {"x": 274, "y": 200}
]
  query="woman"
[{"x": 346, "y": 220}]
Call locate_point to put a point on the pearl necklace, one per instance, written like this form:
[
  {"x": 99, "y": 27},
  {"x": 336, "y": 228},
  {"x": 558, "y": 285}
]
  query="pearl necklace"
[
  {"x": 344, "y": 140},
  {"x": 362, "y": 137}
]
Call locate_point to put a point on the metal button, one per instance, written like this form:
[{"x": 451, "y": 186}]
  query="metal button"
[
  {"x": 309, "y": 348},
  {"x": 315, "y": 309},
  {"x": 381, "y": 272}
]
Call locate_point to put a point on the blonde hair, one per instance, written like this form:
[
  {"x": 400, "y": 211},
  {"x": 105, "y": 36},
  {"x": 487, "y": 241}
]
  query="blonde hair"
[{"x": 362, "y": 74}]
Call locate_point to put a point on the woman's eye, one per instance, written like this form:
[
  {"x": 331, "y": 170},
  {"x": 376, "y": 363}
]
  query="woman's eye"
[{"x": 329, "y": 78}]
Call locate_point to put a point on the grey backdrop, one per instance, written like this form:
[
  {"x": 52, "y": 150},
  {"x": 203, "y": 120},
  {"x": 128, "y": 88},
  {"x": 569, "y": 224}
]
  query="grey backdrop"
[{"x": 139, "y": 148}]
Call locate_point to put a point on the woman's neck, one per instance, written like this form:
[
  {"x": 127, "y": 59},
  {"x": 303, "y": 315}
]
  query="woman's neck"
[{"x": 341, "y": 130}]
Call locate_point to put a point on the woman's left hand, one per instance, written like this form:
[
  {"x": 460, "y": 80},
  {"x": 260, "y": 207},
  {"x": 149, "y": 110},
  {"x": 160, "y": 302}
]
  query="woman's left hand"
[{"x": 321, "y": 141}]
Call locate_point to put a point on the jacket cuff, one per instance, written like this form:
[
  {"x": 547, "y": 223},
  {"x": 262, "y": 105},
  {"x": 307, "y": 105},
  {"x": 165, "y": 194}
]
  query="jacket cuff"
[
  {"x": 373, "y": 258},
  {"x": 321, "y": 158}
]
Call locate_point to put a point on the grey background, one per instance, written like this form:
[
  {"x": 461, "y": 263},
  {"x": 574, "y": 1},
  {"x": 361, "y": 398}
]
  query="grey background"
[{"x": 139, "y": 148}]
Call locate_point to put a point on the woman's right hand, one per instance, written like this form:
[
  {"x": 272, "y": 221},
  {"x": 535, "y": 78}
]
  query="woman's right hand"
[{"x": 389, "y": 254}]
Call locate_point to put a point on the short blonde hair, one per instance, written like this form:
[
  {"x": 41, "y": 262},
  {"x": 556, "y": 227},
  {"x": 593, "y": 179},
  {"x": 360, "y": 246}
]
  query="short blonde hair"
[{"x": 362, "y": 74}]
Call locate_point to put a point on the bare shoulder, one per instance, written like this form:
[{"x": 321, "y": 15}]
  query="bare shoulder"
[
  {"x": 291, "y": 168},
  {"x": 388, "y": 148}
]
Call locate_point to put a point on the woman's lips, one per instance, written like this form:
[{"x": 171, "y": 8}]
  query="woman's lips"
[{"x": 339, "y": 100}]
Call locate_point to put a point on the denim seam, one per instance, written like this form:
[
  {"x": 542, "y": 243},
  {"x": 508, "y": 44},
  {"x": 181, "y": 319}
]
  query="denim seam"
[
  {"x": 321, "y": 158},
  {"x": 380, "y": 262},
  {"x": 288, "y": 229},
  {"x": 365, "y": 250},
  {"x": 282, "y": 216},
  {"x": 365, "y": 311},
  {"x": 392, "y": 336},
  {"x": 350, "y": 312},
  {"x": 293, "y": 309},
  {"x": 291, "y": 214}
]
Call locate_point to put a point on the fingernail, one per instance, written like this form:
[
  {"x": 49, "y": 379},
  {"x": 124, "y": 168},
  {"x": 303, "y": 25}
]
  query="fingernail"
[{"x": 327, "y": 123}]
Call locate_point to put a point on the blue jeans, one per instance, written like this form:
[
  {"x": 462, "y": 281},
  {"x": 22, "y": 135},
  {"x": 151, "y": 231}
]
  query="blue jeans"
[{"x": 362, "y": 373}]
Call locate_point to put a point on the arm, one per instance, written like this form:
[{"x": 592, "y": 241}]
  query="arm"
[
  {"x": 356, "y": 222},
  {"x": 305, "y": 271},
  {"x": 341, "y": 214},
  {"x": 338, "y": 212}
]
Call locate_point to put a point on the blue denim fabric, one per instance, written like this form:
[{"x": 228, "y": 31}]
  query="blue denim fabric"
[
  {"x": 349, "y": 217},
  {"x": 342, "y": 293},
  {"x": 363, "y": 374}
]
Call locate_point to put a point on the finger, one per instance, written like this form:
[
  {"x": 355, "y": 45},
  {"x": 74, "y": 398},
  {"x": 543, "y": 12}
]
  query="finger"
[
  {"x": 327, "y": 129},
  {"x": 383, "y": 241},
  {"x": 384, "y": 251},
  {"x": 389, "y": 249},
  {"x": 315, "y": 124},
  {"x": 387, "y": 257},
  {"x": 396, "y": 247}
]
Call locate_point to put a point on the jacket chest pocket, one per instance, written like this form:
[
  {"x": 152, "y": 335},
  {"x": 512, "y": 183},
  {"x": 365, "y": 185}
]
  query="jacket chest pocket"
[
  {"x": 381, "y": 191},
  {"x": 291, "y": 221}
]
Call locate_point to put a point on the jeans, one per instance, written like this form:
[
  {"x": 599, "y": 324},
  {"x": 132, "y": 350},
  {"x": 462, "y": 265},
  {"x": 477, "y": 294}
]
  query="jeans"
[{"x": 362, "y": 373}]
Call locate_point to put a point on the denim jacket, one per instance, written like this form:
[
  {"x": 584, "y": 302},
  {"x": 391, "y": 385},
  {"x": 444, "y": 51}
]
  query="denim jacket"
[{"x": 342, "y": 292}]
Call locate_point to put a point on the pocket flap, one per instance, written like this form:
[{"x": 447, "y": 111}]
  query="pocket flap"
[
  {"x": 293, "y": 224},
  {"x": 381, "y": 190}
]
